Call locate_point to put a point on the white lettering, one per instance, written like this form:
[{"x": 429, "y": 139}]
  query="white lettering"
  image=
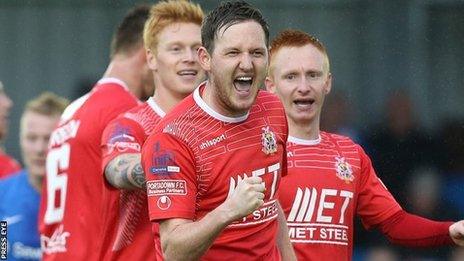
[
  {"x": 301, "y": 232},
  {"x": 274, "y": 169},
  {"x": 325, "y": 205},
  {"x": 347, "y": 195},
  {"x": 212, "y": 142},
  {"x": 305, "y": 201},
  {"x": 64, "y": 133}
]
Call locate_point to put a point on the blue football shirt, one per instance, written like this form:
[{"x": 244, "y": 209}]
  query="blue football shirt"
[{"x": 19, "y": 206}]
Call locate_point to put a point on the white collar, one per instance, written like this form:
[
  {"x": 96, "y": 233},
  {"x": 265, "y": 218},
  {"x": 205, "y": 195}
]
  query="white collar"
[
  {"x": 152, "y": 103},
  {"x": 304, "y": 141}
]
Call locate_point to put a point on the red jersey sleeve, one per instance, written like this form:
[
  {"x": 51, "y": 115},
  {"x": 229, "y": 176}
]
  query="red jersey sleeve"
[
  {"x": 121, "y": 136},
  {"x": 375, "y": 202},
  {"x": 8, "y": 166},
  {"x": 171, "y": 177}
]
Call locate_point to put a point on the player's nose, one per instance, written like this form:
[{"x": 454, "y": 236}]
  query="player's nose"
[{"x": 246, "y": 63}]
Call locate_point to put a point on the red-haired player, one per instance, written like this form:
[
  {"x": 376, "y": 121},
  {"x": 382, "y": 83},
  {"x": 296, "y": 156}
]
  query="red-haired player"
[
  {"x": 172, "y": 37},
  {"x": 330, "y": 178}
]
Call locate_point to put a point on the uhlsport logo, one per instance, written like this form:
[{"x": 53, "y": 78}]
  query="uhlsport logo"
[
  {"x": 269, "y": 141},
  {"x": 344, "y": 171},
  {"x": 164, "y": 202},
  {"x": 212, "y": 142}
]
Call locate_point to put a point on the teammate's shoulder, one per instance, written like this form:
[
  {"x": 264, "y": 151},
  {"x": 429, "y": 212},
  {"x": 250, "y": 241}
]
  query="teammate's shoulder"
[
  {"x": 110, "y": 97},
  {"x": 267, "y": 101},
  {"x": 181, "y": 110},
  {"x": 111, "y": 90},
  {"x": 133, "y": 113},
  {"x": 337, "y": 137},
  {"x": 146, "y": 112},
  {"x": 265, "y": 96}
]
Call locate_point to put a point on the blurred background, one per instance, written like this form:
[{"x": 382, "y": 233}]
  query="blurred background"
[{"x": 398, "y": 68}]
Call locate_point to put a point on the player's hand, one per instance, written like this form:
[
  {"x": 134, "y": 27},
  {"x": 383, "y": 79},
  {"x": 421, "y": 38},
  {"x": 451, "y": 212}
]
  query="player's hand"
[
  {"x": 247, "y": 197},
  {"x": 456, "y": 232}
]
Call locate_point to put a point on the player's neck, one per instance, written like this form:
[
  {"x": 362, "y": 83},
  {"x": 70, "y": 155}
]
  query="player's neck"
[
  {"x": 166, "y": 100},
  {"x": 303, "y": 130},
  {"x": 126, "y": 70},
  {"x": 35, "y": 182}
]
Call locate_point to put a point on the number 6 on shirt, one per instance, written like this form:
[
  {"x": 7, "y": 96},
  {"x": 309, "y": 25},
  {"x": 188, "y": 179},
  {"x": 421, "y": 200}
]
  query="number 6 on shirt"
[{"x": 57, "y": 159}]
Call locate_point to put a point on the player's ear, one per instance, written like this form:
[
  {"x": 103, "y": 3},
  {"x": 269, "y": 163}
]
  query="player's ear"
[
  {"x": 270, "y": 85},
  {"x": 204, "y": 58},
  {"x": 151, "y": 60},
  {"x": 328, "y": 85}
]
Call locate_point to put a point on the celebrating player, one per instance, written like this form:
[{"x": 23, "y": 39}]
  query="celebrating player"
[
  {"x": 71, "y": 210},
  {"x": 172, "y": 37},
  {"x": 330, "y": 178},
  {"x": 213, "y": 165}
]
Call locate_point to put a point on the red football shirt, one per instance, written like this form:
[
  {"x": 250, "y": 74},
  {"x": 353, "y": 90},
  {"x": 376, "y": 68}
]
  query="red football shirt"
[
  {"x": 8, "y": 165},
  {"x": 329, "y": 181},
  {"x": 195, "y": 158},
  {"x": 127, "y": 228},
  {"x": 70, "y": 218}
]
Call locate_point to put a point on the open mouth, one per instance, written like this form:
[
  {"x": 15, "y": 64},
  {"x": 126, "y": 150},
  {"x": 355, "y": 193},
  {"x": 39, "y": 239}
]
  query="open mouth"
[
  {"x": 304, "y": 103},
  {"x": 243, "y": 84}
]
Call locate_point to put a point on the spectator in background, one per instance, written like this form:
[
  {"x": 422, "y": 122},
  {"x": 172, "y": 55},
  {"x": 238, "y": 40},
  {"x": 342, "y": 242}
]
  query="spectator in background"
[
  {"x": 20, "y": 193},
  {"x": 8, "y": 165},
  {"x": 381, "y": 253},
  {"x": 398, "y": 145},
  {"x": 424, "y": 197},
  {"x": 452, "y": 140},
  {"x": 452, "y": 162},
  {"x": 70, "y": 219},
  {"x": 336, "y": 116}
]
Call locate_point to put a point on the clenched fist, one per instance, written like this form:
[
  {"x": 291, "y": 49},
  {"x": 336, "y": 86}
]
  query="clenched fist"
[{"x": 247, "y": 197}]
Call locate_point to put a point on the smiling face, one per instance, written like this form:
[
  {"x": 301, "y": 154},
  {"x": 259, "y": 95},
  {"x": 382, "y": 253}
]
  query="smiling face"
[
  {"x": 174, "y": 62},
  {"x": 300, "y": 78},
  {"x": 237, "y": 67}
]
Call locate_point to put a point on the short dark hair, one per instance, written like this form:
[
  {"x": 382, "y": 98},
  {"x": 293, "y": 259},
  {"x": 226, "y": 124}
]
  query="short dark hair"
[
  {"x": 129, "y": 34},
  {"x": 226, "y": 15}
]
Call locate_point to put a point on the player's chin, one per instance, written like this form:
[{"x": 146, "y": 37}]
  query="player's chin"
[{"x": 243, "y": 104}]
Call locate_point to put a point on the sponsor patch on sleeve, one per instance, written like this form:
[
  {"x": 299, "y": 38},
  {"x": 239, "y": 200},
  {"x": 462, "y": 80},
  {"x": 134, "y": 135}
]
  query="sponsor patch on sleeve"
[
  {"x": 163, "y": 162},
  {"x": 166, "y": 187},
  {"x": 122, "y": 140}
]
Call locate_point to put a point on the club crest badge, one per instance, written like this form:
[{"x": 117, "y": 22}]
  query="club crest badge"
[
  {"x": 344, "y": 171},
  {"x": 269, "y": 141}
]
